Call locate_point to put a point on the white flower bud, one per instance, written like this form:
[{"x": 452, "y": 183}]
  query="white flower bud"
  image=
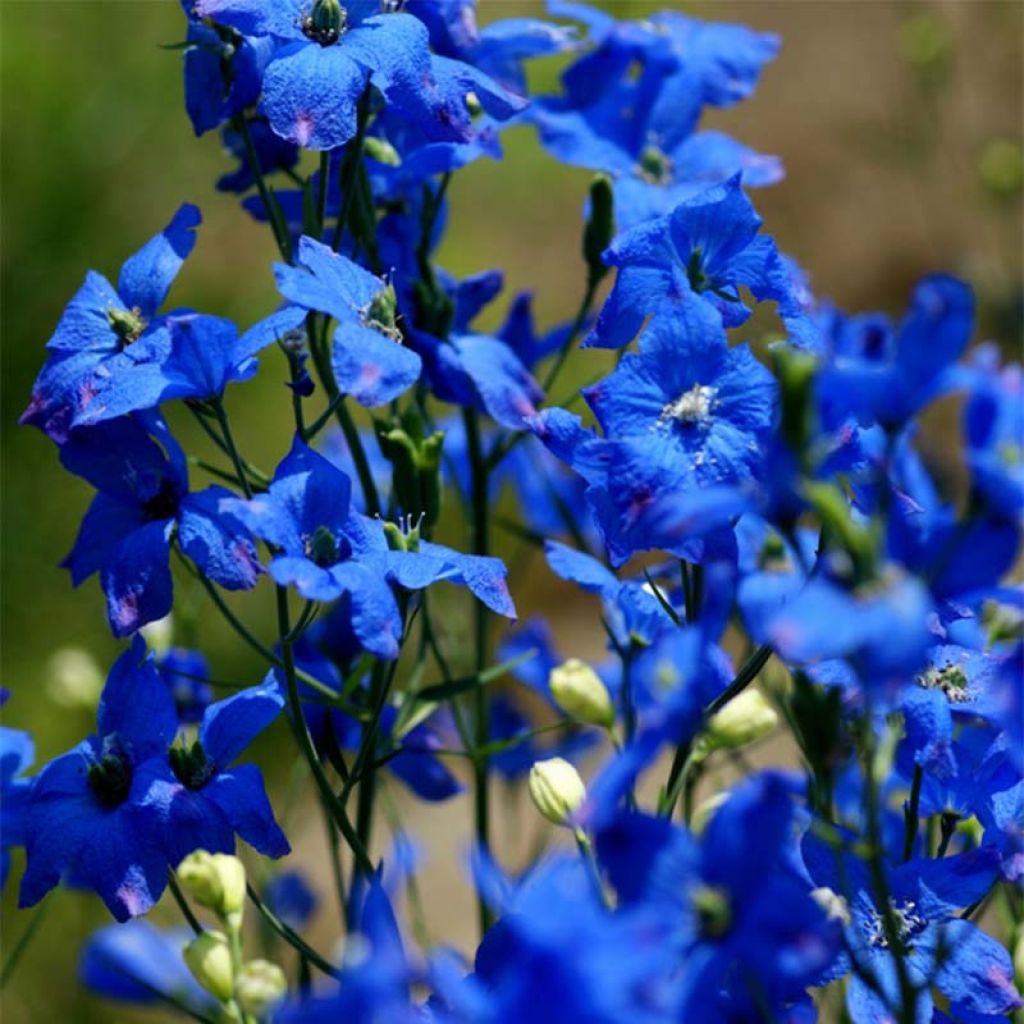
[
  {"x": 579, "y": 692},
  {"x": 208, "y": 957},
  {"x": 745, "y": 718},
  {"x": 216, "y": 881},
  {"x": 259, "y": 986},
  {"x": 556, "y": 789}
]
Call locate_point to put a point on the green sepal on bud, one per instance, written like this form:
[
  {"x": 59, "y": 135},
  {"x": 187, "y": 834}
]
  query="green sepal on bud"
[
  {"x": 259, "y": 987},
  {"x": 600, "y": 228},
  {"x": 325, "y": 22},
  {"x": 215, "y": 881},
  {"x": 795, "y": 371},
  {"x": 382, "y": 313},
  {"x": 208, "y": 958},
  {"x": 557, "y": 790},
  {"x": 416, "y": 467},
  {"x": 579, "y": 692}
]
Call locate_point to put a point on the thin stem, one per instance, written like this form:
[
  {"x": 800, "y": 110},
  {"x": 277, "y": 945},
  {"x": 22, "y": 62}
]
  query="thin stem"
[
  {"x": 270, "y": 204},
  {"x": 586, "y": 848},
  {"x": 179, "y": 898},
  {"x": 570, "y": 338},
  {"x": 24, "y": 941},
  {"x": 232, "y": 450},
  {"x": 305, "y": 740},
  {"x": 306, "y": 951},
  {"x": 481, "y": 709},
  {"x": 911, "y": 813}
]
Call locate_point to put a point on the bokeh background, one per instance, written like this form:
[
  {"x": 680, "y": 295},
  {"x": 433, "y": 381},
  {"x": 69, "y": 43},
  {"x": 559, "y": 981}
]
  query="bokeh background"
[{"x": 899, "y": 124}]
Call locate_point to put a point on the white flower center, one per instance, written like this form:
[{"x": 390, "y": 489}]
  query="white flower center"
[
  {"x": 951, "y": 680},
  {"x": 908, "y": 923},
  {"x": 693, "y": 406}
]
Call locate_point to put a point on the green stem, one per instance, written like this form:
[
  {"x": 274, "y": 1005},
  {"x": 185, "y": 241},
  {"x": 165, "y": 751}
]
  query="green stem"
[
  {"x": 911, "y": 813},
  {"x": 24, "y": 941},
  {"x": 577, "y": 325},
  {"x": 270, "y": 204},
  {"x": 305, "y": 740},
  {"x": 290, "y": 936},
  {"x": 481, "y": 710}
]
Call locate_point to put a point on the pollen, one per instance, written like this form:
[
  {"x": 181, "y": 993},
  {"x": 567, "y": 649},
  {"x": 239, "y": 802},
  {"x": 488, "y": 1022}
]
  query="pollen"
[{"x": 691, "y": 407}]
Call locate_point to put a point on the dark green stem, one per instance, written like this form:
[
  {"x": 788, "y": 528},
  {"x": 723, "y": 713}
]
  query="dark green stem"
[
  {"x": 24, "y": 941},
  {"x": 307, "y": 952},
  {"x": 911, "y": 814}
]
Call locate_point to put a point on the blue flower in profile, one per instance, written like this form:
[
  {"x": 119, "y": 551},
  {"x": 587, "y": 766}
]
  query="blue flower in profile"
[
  {"x": 701, "y": 253},
  {"x": 101, "y": 321},
  {"x": 141, "y": 965},
  {"x": 994, "y": 431},
  {"x": 938, "y": 947},
  {"x": 17, "y": 752},
  {"x": 893, "y": 374},
  {"x": 291, "y": 898},
  {"x": 87, "y": 816},
  {"x": 328, "y": 52},
  {"x": 198, "y": 796},
  {"x": 715, "y": 403},
  {"x": 143, "y": 503},
  {"x": 369, "y": 361}
]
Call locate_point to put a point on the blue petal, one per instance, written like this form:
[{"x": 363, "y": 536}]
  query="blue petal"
[
  {"x": 136, "y": 706},
  {"x": 375, "y": 617},
  {"x": 331, "y": 283},
  {"x": 371, "y": 367},
  {"x": 147, "y": 276},
  {"x": 216, "y": 541},
  {"x": 84, "y": 326},
  {"x": 230, "y": 725},
  {"x": 310, "y": 94},
  {"x": 137, "y": 583},
  {"x": 242, "y": 798},
  {"x": 107, "y": 522}
]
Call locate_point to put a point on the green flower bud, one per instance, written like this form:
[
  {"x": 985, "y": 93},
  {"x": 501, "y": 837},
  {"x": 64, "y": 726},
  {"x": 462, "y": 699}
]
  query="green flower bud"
[
  {"x": 382, "y": 152},
  {"x": 795, "y": 371},
  {"x": 259, "y": 987},
  {"x": 705, "y": 810},
  {"x": 325, "y": 22},
  {"x": 579, "y": 692},
  {"x": 208, "y": 957},
  {"x": 159, "y": 635},
  {"x": 216, "y": 881},
  {"x": 747, "y": 717},
  {"x": 416, "y": 466},
  {"x": 556, "y": 789},
  {"x": 127, "y": 324},
  {"x": 600, "y": 227},
  {"x": 74, "y": 678}
]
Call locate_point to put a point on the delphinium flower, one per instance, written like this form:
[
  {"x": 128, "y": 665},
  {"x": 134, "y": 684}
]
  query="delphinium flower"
[
  {"x": 919, "y": 937},
  {"x": 186, "y": 674},
  {"x": 143, "y": 503},
  {"x": 87, "y": 816},
  {"x": 327, "y": 53},
  {"x": 101, "y": 321},
  {"x": 631, "y": 107},
  {"x": 200, "y": 799},
  {"x": 700, "y": 253},
  {"x": 327, "y": 550}
]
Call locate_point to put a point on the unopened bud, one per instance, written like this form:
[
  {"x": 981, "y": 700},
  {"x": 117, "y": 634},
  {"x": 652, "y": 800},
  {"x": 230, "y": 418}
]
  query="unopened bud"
[
  {"x": 208, "y": 957},
  {"x": 216, "y": 881},
  {"x": 747, "y": 717},
  {"x": 705, "y": 810},
  {"x": 381, "y": 151},
  {"x": 556, "y": 789},
  {"x": 259, "y": 987},
  {"x": 159, "y": 635},
  {"x": 600, "y": 227},
  {"x": 579, "y": 692},
  {"x": 74, "y": 678}
]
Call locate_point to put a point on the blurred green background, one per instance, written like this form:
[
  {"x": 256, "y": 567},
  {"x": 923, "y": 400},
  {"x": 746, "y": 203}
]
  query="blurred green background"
[{"x": 899, "y": 125}]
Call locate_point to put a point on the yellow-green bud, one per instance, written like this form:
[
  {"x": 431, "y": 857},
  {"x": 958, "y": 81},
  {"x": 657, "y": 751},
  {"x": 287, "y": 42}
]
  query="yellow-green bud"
[
  {"x": 579, "y": 692},
  {"x": 216, "y": 881},
  {"x": 705, "y": 810},
  {"x": 556, "y": 789},
  {"x": 208, "y": 957},
  {"x": 747, "y": 717},
  {"x": 259, "y": 986},
  {"x": 74, "y": 678},
  {"x": 383, "y": 152},
  {"x": 159, "y": 635}
]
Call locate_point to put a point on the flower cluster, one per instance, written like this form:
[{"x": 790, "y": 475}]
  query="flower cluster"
[{"x": 767, "y": 545}]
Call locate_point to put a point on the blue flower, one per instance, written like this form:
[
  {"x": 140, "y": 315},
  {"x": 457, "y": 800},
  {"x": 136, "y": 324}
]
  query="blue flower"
[
  {"x": 272, "y": 154},
  {"x": 87, "y": 815},
  {"x": 714, "y": 403},
  {"x": 290, "y": 897},
  {"x": 367, "y": 355},
  {"x": 938, "y": 947},
  {"x": 326, "y": 550},
  {"x": 143, "y": 502},
  {"x": 328, "y": 53},
  {"x": 890, "y": 376},
  {"x": 17, "y": 752},
  {"x": 139, "y": 964},
  {"x": 199, "y": 800},
  {"x": 700, "y": 254},
  {"x": 101, "y": 321}
]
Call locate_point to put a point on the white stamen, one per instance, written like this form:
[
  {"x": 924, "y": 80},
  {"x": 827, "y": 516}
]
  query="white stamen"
[{"x": 693, "y": 406}]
